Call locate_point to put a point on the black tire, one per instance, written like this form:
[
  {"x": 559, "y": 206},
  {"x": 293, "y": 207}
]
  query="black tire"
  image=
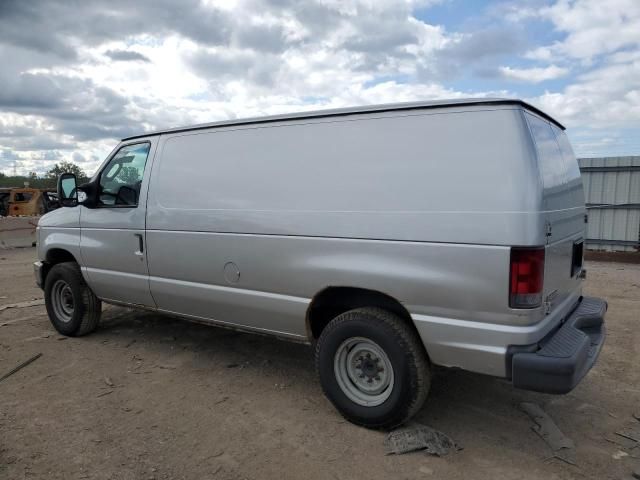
[
  {"x": 405, "y": 352},
  {"x": 84, "y": 314}
]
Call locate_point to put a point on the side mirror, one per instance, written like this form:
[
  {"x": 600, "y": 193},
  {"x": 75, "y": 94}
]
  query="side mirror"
[{"x": 67, "y": 190}]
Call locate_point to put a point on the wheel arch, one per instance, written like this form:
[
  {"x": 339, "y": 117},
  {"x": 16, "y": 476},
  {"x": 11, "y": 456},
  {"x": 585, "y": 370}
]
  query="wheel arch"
[
  {"x": 334, "y": 300},
  {"x": 55, "y": 256}
]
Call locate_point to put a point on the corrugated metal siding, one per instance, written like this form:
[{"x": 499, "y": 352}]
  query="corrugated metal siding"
[{"x": 612, "y": 194}]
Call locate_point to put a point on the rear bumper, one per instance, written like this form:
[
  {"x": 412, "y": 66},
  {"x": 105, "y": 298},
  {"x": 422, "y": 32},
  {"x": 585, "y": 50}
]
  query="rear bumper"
[
  {"x": 562, "y": 359},
  {"x": 487, "y": 346}
]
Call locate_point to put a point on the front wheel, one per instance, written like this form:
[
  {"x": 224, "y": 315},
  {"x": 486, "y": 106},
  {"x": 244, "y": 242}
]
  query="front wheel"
[
  {"x": 373, "y": 367},
  {"x": 73, "y": 308}
]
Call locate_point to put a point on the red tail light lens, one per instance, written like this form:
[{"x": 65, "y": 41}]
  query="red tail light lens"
[{"x": 527, "y": 275}]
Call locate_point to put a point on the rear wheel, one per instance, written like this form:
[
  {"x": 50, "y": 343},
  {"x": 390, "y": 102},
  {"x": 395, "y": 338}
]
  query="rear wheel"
[
  {"x": 73, "y": 308},
  {"x": 373, "y": 367}
]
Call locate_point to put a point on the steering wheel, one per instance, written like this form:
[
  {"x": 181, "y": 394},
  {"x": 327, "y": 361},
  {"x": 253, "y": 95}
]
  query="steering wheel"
[
  {"x": 119, "y": 199},
  {"x": 110, "y": 194}
]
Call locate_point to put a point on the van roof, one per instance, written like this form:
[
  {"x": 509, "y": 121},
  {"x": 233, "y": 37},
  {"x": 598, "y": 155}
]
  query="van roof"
[{"x": 335, "y": 112}]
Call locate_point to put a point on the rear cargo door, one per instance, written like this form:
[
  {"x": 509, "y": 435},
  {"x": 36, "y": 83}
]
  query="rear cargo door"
[{"x": 564, "y": 213}]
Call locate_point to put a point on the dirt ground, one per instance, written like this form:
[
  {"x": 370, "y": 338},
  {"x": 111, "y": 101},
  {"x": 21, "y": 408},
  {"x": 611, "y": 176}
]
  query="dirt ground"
[{"x": 151, "y": 397}]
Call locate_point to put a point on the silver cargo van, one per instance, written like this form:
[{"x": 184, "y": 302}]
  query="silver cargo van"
[{"x": 392, "y": 238}]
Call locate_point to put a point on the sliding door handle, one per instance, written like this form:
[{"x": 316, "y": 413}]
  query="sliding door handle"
[{"x": 140, "y": 251}]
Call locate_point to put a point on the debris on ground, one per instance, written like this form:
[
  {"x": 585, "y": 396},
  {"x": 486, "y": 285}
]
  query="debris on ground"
[
  {"x": 28, "y": 303},
  {"x": 21, "y": 366},
  {"x": 631, "y": 432},
  {"x": 619, "y": 454},
  {"x": 419, "y": 437},
  {"x": 623, "y": 442},
  {"x": 628, "y": 438},
  {"x": 43, "y": 335},
  {"x": 165, "y": 366},
  {"x": 108, "y": 381},
  {"x": 562, "y": 446}
]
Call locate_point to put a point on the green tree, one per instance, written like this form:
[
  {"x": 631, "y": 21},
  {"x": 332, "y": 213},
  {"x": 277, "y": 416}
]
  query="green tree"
[{"x": 66, "y": 167}]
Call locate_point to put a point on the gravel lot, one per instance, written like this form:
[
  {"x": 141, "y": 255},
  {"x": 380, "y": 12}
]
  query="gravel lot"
[{"x": 152, "y": 397}]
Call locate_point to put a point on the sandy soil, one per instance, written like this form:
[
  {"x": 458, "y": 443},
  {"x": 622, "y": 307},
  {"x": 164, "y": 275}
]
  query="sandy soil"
[{"x": 151, "y": 397}]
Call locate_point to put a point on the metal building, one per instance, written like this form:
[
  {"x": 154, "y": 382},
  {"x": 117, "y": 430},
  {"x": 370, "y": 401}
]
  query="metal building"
[{"x": 612, "y": 194}]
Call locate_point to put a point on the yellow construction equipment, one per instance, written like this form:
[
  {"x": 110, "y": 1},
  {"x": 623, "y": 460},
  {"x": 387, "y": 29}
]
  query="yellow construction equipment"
[{"x": 26, "y": 201}]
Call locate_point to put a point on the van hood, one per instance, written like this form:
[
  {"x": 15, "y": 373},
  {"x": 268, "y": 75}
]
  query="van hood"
[{"x": 63, "y": 217}]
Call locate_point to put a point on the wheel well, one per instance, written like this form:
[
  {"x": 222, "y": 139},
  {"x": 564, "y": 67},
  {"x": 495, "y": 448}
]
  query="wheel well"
[
  {"x": 55, "y": 256},
  {"x": 332, "y": 301},
  {"x": 59, "y": 255}
]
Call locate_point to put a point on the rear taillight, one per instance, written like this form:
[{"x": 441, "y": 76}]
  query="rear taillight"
[{"x": 527, "y": 275}]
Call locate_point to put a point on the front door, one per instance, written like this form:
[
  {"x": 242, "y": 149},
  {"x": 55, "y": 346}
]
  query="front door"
[{"x": 112, "y": 238}]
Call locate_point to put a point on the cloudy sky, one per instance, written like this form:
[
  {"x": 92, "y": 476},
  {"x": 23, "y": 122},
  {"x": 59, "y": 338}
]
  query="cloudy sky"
[{"x": 77, "y": 75}]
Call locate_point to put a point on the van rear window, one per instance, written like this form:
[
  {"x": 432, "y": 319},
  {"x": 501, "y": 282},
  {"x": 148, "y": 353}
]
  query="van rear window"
[
  {"x": 567, "y": 152},
  {"x": 550, "y": 159}
]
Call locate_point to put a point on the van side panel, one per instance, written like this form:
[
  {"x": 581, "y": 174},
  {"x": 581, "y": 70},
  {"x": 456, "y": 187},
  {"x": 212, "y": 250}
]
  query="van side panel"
[
  {"x": 246, "y": 224},
  {"x": 417, "y": 177},
  {"x": 445, "y": 280}
]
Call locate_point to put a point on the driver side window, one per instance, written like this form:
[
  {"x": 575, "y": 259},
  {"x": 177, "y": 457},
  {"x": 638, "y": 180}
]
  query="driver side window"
[{"x": 121, "y": 178}]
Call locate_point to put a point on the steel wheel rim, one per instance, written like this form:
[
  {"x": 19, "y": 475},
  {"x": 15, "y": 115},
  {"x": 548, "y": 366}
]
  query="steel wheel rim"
[
  {"x": 62, "y": 301},
  {"x": 363, "y": 371}
]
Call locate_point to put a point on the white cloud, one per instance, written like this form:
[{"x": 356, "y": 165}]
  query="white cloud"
[
  {"x": 278, "y": 58},
  {"x": 540, "y": 53},
  {"x": 240, "y": 58},
  {"x": 534, "y": 75},
  {"x": 594, "y": 27},
  {"x": 605, "y": 97}
]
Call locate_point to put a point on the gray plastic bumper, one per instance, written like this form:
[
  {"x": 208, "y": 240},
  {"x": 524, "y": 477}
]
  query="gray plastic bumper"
[
  {"x": 564, "y": 357},
  {"x": 38, "y": 270}
]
